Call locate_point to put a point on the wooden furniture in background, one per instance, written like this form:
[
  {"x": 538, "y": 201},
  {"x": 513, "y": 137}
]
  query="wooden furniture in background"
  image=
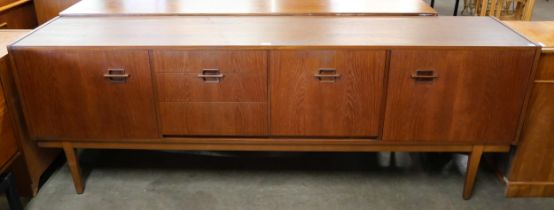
[
  {"x": 532, "y": 171},
  {"x": 17, "y": 14},
  {"x": 502, "y": 9},
  {"x": 250, "y": 7},
  {"x": 48, "y": 9},
  {"x": 346, "y": 88},
  {"x": 35, "y": 160}
]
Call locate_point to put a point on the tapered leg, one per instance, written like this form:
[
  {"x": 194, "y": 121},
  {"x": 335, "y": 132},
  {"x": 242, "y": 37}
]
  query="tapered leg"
[
  {"x": 7, "y": 185},
  {"x": 472, "y": 168},
  {"x": 73, "y": 163}
]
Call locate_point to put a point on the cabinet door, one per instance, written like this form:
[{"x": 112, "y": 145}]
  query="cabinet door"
[
  {"x": 326, "y": 93},
  {"x": 456, "y": 95},
  {"x": 212, "y": 92},
  {"x": 86, "y": 94}
]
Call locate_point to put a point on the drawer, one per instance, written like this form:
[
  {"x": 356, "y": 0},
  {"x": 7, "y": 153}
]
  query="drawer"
[
  {"x": 214, "y": 119},
  {"x": 545, "y": 70},
  {"x": 19, "y": 17},
  {"x": 8, "y": 146},
  {"x": 456, "y": 96},
  {"x": 327, "y": 93},
  {"x": 86, "y": 94},
  {"x": 211, "y": 76}
]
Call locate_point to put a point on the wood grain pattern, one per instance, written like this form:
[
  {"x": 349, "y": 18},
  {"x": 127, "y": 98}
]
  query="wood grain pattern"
[
  {"x": 545, "y": 69},
  {"x": 477, "y": 97},
  {"x": 48, "y": 9},
  {"x": 274, "y": 32},
  {"x": 19, "y": 17},
  {"x": 82, "y": 103},
  {"x": 8, "y": 145},
  {"x": 302, "y": 105},
  {"x": 214, "y": 119},
  {"x": 245, "y": 76},
  {"x": 530, "y": 189},
  {"x": 249, "y": 7}
]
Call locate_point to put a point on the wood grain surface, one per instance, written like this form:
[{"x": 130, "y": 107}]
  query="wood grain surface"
[
  {"x": 477, "y": 96},
  {"x": 65, "y": 95},
  {"x": 303, "y": 105},
  {"x": 274, "y": 32}
]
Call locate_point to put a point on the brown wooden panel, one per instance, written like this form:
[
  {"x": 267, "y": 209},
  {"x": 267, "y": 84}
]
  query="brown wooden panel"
[
  {"x": 214, "y": 119},
  {"x": 538, "y": 31},
  {"x": 8, "y": 146},
  {"x": 302, "y": 105},
  {"x": 478, "y": 96},
  {"x": 244, "y": 76},
  {"x": 534, "y": 160},
  {"x": 65, "y": 94},
  {"x": 19, "y": 17},
  {"x": 545, "y": 70}
]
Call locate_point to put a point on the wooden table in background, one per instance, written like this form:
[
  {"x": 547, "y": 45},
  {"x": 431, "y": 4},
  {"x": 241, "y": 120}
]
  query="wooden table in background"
[
  {"x": 251, "y": 7},
  {"x": 532, "y": 172}
]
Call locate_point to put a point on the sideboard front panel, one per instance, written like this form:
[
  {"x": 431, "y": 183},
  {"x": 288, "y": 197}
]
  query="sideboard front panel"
[
  {"x": 456, "y": 95},
  {"x": 212, "y": 92},
  {"x": 326, "y": 93},
  {"x": 87, "y": 94}
]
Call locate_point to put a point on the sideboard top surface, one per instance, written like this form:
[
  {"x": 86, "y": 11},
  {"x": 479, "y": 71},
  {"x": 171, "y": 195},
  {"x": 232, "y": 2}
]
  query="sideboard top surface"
[
  {"x": 273, "y": 32},
  {"x": 541, "y": 32},
  {"x": 249, "y": 7}
]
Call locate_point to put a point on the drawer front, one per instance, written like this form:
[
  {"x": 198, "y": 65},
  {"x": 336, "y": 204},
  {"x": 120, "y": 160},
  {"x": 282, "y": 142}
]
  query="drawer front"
[
  {"x": 211, "y": 76},
  {"x": 8, "y": 146},
  {"x": 20, "y": 17},
  {"x": 456, "y": 96},
  {"x": 216, "y": 93},
  {"x": 545, "y": 70},
  {"x": 326, "y": 93},
  {"x": 214, "y": 119},
  {"x": 86, "y": 94}
]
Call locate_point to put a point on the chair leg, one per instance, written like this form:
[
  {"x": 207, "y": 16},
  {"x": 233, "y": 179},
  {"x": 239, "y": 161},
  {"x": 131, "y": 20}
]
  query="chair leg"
[
  {"x": 8, "y": 186},
  {"x": 472, "y": 169},
  {"x": 73, "y": 163}
]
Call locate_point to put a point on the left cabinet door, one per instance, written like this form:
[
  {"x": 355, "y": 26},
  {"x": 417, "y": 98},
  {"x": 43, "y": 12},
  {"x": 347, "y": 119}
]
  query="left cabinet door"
[{"x": 86, "y": 94}]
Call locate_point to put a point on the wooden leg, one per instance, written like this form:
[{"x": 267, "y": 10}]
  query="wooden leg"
[
  {"x": 472, "y": 168},
  {"x": 73, "y": 163}
]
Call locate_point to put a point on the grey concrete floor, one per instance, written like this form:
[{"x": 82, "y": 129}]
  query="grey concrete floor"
[
  {"x": 119, "y": 179},
  {"x": 157, "y": 180}
]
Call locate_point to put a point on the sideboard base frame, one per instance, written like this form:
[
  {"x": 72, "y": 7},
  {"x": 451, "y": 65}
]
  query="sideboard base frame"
[{"x": 334, "y": 145}]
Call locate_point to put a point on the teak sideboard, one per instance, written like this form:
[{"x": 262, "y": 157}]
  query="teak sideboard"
[{"x": 345, "y": 84}]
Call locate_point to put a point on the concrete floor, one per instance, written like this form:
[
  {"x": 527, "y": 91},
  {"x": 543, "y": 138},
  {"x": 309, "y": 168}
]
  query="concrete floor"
[
  {"x": 121, "y": 179},
  {"x": 160, "y": 180}
]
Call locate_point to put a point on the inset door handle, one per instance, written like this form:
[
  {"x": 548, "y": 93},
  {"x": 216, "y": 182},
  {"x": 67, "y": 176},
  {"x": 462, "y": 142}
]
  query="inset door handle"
[
  {"x": 4, "y": 24},
  {"x": 116, "y": 75},
  {"x": 425, "y": 75},
  {"x": 211, "y": 75},
  {"x": 327, "y": 75}
]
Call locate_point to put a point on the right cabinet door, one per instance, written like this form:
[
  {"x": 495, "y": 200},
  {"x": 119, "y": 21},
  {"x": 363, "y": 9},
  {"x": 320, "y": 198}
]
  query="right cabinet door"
[
  {"x": 456, "y": 95},
  {"x": 326, "y": 92}
]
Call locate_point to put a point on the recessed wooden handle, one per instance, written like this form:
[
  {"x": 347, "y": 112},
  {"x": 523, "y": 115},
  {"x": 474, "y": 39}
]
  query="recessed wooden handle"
[
  {"x": 116, "y": 75},
  {"x": 424, "y": 75},
  {"x": 211, "y": 75},
  {"x": 3, "y": 25},
  {"x": 327, "y": 75}
]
